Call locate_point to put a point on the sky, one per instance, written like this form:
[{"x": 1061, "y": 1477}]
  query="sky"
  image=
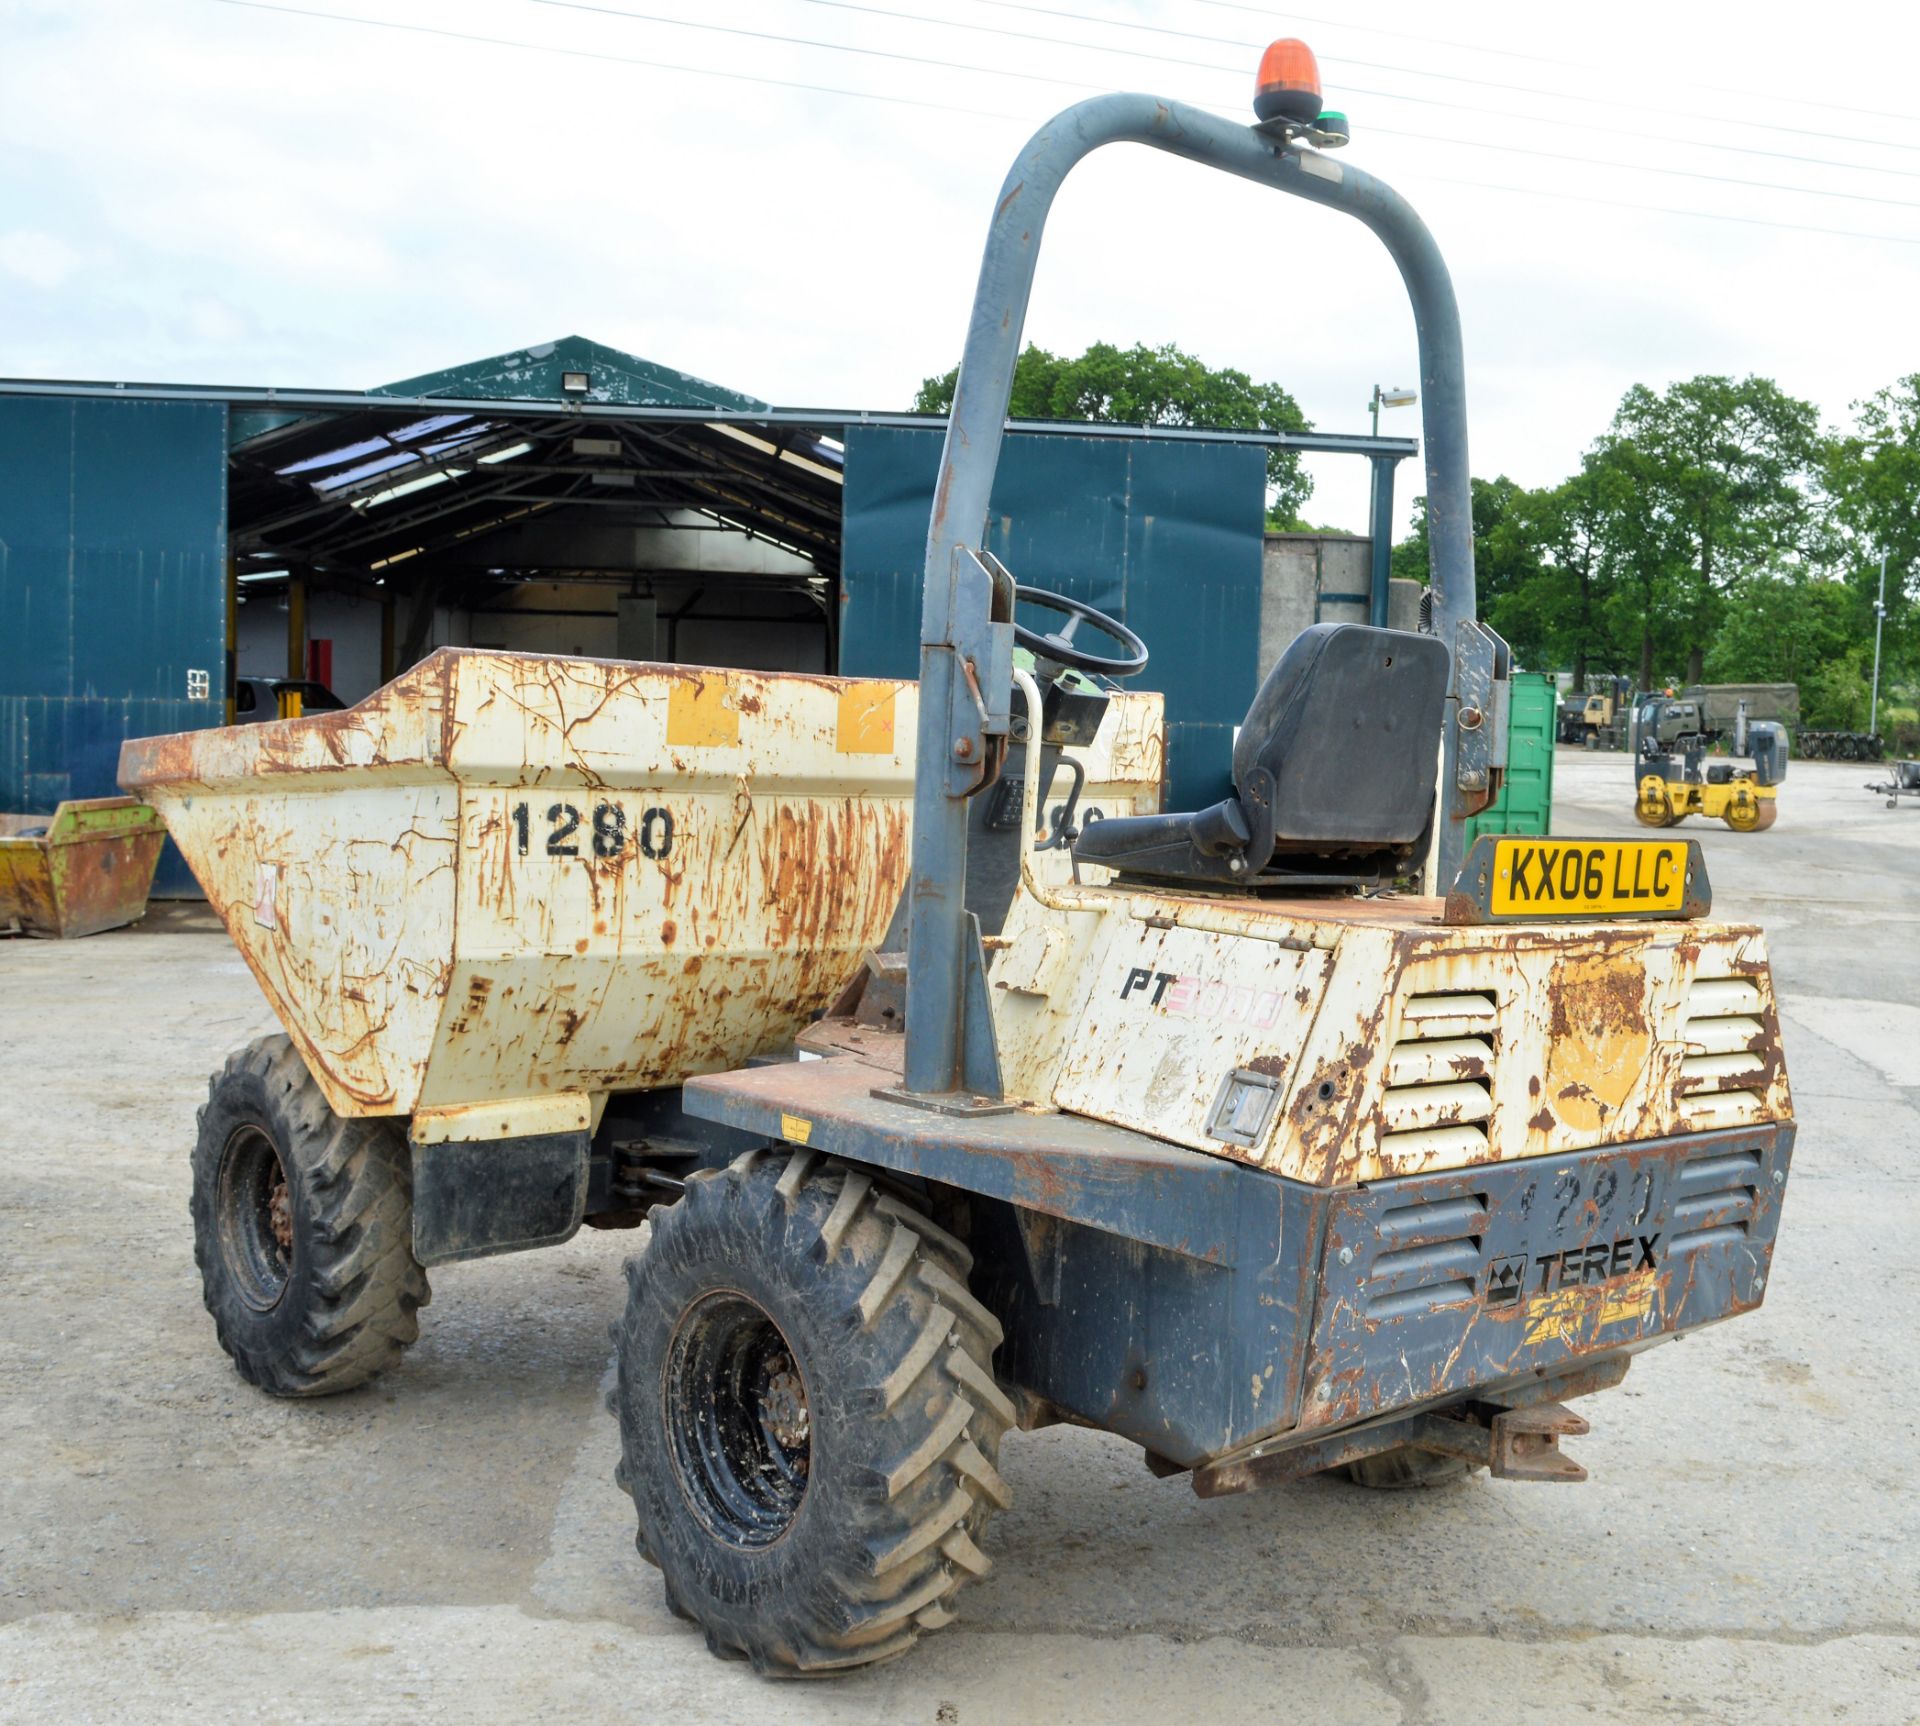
[{"x": 789, "y": 197}]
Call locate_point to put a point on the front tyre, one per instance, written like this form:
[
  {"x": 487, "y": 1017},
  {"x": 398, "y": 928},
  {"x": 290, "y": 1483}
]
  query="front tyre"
[
  {"x": 809, "y": 1424},
  {"x": 302, "y": 1229}
]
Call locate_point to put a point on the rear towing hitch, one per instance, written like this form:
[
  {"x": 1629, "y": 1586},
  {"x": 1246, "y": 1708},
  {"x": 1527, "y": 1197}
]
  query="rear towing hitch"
[{"x": 1511, "y": 1443}]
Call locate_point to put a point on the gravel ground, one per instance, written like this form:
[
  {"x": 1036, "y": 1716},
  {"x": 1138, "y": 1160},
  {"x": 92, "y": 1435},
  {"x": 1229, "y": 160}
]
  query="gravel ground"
[{"x": 447, "y": 1544}]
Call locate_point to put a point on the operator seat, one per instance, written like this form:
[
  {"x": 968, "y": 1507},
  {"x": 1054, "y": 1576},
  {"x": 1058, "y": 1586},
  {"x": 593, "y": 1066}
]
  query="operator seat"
[{"x": 1333, "y": 773}]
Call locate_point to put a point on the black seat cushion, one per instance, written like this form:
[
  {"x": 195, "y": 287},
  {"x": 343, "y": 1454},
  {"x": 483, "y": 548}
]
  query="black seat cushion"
[{"x": 1333, "y": 771}]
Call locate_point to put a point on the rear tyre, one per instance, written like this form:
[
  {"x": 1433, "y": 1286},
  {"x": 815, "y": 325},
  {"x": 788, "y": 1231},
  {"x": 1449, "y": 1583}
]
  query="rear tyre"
[
  {"x": 302, "y": 1229},
  {"x": 809, "y": 1424},
  {"x": 1399, "y": 1470}
]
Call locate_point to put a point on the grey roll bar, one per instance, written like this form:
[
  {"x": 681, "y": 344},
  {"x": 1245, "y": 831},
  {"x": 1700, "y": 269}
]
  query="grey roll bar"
[{"x": 960, "y": 639}]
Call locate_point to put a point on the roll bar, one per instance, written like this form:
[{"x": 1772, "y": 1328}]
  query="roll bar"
[{"x": 967, "y": 600}]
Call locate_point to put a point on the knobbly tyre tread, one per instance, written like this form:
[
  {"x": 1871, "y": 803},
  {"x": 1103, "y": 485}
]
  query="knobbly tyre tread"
[
  {"x": 353, "y": 1295},
  {"x": 901, "y": 1486}
]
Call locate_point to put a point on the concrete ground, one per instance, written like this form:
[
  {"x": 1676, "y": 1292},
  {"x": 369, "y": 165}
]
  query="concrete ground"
[{"x": 447, "y": 1545}]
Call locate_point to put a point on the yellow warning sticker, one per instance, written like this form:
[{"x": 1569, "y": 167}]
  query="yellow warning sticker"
[
  {"x": 1631, "y": 1298},
  {"x": 795, "y": 1129},
  {"x": 866, "y": 719},
  {"x": 1560, "y": 1316},
  {"x": 699, "y": 714}
]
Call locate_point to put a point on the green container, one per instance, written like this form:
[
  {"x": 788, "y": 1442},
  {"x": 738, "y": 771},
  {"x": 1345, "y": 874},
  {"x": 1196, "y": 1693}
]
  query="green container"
[{"x": 1525, "y": 803}]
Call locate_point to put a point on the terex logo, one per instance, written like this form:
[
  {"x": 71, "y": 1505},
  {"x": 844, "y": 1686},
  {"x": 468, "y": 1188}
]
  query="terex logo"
[
  {"x": 1201, "y": 997},
  {"x": 1599, "y": 1263}
]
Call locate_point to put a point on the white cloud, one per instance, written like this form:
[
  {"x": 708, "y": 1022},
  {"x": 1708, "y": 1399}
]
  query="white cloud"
[
  {"x": 294, "y": 201},
  {"x": 39, "y": 260}
]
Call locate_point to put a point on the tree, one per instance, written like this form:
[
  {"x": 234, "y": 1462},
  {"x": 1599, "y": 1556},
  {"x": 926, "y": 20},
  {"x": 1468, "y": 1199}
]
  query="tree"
[
  {"x": 1652, "y": 600},
  {"x": 1834, "y": 697},
  {"x": 1781, "y": 630},
  {"x": 1411, "y": 558},
  {"x": 1505, "y": 556},
  {"x": 1558, "y": 615},
  {"x": 1509, "y": 538},
  {"x": 1870, "y": 479},
  {"x": 1720, "y": 472},
  {"x": 1161, "y": 386}
]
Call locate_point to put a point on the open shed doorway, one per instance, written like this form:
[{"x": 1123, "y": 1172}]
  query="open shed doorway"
[{"x": 363, "y": 539}]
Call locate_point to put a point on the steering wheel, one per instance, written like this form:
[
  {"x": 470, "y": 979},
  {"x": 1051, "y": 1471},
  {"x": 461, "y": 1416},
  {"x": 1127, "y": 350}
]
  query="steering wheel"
[{"x": 1058, "y": 645}]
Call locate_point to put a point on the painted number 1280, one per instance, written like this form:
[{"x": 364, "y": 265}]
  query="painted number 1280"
[{"x": 605, "y": 833}]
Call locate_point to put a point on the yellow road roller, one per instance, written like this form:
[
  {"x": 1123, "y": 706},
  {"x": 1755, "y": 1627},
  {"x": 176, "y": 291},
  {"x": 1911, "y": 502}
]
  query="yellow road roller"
[{"x": 1674, "y": 778}]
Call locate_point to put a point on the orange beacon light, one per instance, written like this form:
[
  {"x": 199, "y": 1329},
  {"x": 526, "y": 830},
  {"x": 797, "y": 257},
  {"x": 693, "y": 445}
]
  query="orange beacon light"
[{"x": 1288, "y": 87}]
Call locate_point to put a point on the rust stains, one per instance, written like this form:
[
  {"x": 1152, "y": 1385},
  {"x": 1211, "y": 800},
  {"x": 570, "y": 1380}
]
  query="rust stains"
[
  {"x": 1598, "y": 1039},
  {"x": 1040, "y": 1180},
  {"x": 416, "y": 856}
]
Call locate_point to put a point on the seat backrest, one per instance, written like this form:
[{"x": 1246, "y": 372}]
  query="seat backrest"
[{"x": 1348, "y": 724}]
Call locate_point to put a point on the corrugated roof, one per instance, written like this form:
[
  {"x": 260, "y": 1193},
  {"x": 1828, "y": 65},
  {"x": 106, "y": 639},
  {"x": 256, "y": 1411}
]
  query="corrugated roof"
[
  {"x": 373, "y": 486},
  {"x": 538, "y": 373}
]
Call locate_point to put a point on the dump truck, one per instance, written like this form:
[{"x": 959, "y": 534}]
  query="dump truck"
[{"x": 1209, "y": 1130}]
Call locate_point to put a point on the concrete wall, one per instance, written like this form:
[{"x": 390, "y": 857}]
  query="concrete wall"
[
  {"x": 1305, "y": 578},
  {"x": 352, "y": 625},
  {"x": 579, "y": 618},
  {"x": 1308, "y": 578},
  {"x": 615, "y": 539},
  {"x": 262, "y": 636},
  {"x": 751, "y": 625},
  {"x": 697, "y": 560}
]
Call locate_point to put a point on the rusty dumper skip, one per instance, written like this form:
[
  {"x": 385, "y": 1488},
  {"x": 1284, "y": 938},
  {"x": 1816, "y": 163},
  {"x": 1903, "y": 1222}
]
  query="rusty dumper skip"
[{"x": 1211, "y": 1140}]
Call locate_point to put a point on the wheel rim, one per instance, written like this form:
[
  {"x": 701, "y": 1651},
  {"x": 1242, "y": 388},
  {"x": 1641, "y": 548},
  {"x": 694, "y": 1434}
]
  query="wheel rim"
[
  {"x": 256, "y": 1218},
  {"x": 738, "y": 1420}
]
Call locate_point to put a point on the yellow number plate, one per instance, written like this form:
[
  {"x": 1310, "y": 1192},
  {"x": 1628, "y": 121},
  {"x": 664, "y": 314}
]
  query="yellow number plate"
[{"x": 1588, "y": 877}]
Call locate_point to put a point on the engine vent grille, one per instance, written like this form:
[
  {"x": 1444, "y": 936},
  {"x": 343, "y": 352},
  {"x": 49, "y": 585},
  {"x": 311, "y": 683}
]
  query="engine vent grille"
[
  {"x": 1427, "y": 1255},
  {"x": 1722, "y": 1067},
  {"x": 1439, "y": 1094},
  {"x": 1714, "y": 1199}
]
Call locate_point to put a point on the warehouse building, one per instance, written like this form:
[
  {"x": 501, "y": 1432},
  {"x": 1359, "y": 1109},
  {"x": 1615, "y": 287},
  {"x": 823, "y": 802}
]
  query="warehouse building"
[{"x": 168, "y": 553}]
